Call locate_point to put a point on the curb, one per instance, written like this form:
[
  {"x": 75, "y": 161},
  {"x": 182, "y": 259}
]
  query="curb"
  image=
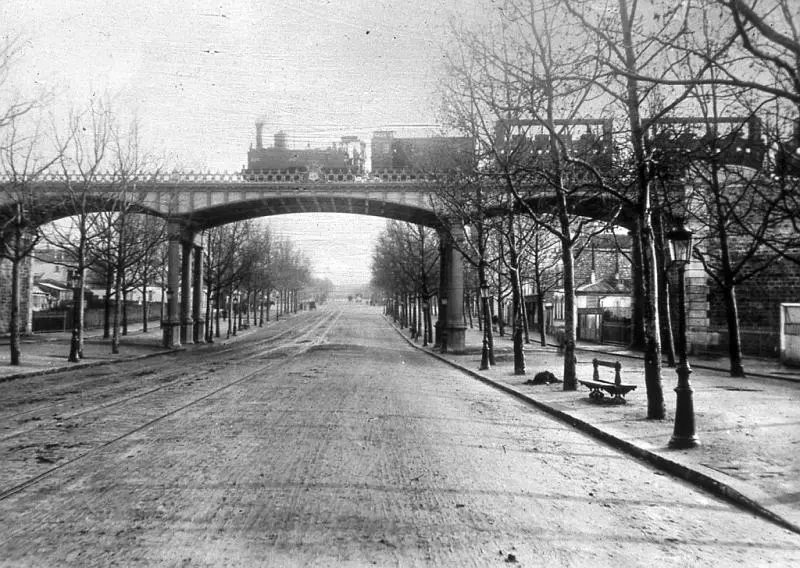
[
  {"x": 79, "y": 365},
  {"x": 713, "y": 486}
]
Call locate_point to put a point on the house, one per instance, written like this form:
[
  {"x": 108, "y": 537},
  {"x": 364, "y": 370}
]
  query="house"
[{"x": 603, "y": 291}]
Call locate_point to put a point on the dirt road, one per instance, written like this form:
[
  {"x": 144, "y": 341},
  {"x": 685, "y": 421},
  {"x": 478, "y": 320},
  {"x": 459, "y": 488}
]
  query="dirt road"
[{"x": 325, "y": 440}]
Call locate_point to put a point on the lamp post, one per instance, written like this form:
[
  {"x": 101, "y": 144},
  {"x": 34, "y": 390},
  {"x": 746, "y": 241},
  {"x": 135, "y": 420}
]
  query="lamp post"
[
  {"x": 683, "y": 435},
  {"x": 75, "y": 341},
  {"x": 235, "y": 311},
  {"x": 444, "y": 326},
  {"x": 424, "y": 322},
  {"x": 485, "y": 348},
  {"x": 212, "y": 312}
]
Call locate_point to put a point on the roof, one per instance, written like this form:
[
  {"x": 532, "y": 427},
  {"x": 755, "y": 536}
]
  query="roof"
[
  {"x": 48, "y": 287},
  {"x": 605, "y": 287}
]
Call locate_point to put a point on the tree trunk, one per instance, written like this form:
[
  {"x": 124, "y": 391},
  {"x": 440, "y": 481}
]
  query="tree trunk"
[
  {"x": 124, "y": 311},
  {"x": 117, "y": 312},
  {"x": 209, "y": 331},
  {"x": 525, "y": 323},
  {"x": 667, "y": 337},
  {"x": 500, "y": 320},
  {"x": 570, "y": 312},
  {"x": 540, "y": 315},
  {"x": 516, "y": 299},
  {"x": 728, "y": 282},
  {"x": 652, "y": 356},
  {"x": 15, "y": 303},
  {"x": 80, "y": 305},
  {"x": 229, "y": 311},
  {"x": 486, "y": 309},
  {"x": 734, "y": 333},
  {"x": 217, "y": 310},
  {"x": 107, "y": 304},
  {"x": 145, "y": 307},
  {"x": 637, "y": 291}
]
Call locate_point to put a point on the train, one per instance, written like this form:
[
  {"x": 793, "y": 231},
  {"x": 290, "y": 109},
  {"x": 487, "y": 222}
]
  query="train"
[{"x": 350, "y": 154}]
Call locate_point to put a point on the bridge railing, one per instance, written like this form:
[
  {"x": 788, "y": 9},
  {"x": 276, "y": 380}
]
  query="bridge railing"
[
  {"x": 679, "y": 142},
  {"x": 323, "y": 175}
]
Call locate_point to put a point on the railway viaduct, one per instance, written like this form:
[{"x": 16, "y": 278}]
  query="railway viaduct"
[{"x": 192, "y": 202}]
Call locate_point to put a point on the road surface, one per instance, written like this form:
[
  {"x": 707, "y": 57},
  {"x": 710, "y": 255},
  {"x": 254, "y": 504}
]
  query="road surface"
[{"x": 326, "y": 440}]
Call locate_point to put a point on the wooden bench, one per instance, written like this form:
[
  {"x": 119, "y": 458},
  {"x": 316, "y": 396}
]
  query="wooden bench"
[{"x": 598, "y": 385}]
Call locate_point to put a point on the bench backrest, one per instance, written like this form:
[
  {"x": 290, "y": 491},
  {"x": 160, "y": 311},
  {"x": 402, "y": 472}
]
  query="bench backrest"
[{"x": 616, "y": 365}]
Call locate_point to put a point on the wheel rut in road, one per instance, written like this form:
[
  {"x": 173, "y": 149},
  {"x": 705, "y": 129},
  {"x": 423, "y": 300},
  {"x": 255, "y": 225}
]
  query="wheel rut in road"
[{"x": 66, "y": 424}]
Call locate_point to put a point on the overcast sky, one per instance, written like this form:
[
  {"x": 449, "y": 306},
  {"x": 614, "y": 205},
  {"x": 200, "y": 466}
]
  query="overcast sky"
[{"x": 198, "y": 74}]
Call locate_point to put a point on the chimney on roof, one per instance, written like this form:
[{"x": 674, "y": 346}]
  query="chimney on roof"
[
  {"x": 280, "y": 140},
  {"x": 259, "y": 137}
]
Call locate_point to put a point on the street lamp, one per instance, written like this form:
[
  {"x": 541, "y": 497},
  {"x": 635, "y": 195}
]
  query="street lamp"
[
  {"x": 212, "y": 317},
  {"x": 683, "y": 435},
  {"x": 443, "y": 301},
  {"x": 424, "y": 322},
  {"x": 235, "y": 312},
  {"x": 75, "y": 342},
  {"x": 485, "y": 348}
]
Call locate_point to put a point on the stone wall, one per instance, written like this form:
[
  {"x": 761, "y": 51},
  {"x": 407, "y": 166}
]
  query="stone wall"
[
  {"x": 5, "y": 296},
  {"x": 758, "y": 300}
]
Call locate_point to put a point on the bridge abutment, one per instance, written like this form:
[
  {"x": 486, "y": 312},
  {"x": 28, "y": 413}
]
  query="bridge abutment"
[
  {"x": 199, "y": 329},
  {"x": 184, "y": 323},
  {"x": 451, "y": 318},
  {"x": 187, "y": 322},
  {"x": 171, "y": 325},
  {"x": 441, "y": 312}
]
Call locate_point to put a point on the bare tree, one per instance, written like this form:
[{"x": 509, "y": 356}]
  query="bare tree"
[
  {"x": 22, "y": 162},
  {"x": 404, "y": 261},
  {"x": 545, "y": 273},
  {"x": 23, "y": 210},
  {"x": 770, "y": 32},
  {"x": 82, "y": 167},
  {"x": 224, "y": 269},
  {"x": 630, "y": 46},
  {"x": 515, "y": 84}
]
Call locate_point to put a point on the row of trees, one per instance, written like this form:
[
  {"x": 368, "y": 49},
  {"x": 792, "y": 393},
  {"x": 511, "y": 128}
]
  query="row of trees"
[
  {"x": 572, "y": 105},
  {"x": 405, "y": 265},
  {"x": 500, "y": 256},
  {"x": 248, "y": 269},
  {"x": 108, "y": 234}
]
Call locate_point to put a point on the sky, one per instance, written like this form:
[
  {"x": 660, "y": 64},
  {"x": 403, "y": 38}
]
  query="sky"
[{"x": 198, "y": 74}]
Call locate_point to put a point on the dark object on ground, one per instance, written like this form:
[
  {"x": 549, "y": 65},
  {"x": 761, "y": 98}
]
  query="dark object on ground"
[
  {"x": 597, "y": 385},
  {"x": 543, "y": 378}
]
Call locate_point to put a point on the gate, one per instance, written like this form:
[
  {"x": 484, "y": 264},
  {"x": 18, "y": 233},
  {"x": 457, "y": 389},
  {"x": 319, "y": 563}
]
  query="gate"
[{"x": 790, "y": 334}]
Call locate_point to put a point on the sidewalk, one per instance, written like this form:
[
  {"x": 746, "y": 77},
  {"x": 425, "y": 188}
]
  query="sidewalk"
[
  {"x": 48, "y": 352},
  {"x": 749, "y": 429}
]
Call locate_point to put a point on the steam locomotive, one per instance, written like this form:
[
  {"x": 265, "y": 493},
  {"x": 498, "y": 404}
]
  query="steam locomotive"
[{"x": 349, "y": 155}]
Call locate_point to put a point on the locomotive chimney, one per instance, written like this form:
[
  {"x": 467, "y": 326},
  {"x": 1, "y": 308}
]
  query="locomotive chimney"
[{"x": 259, "y": 138}]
